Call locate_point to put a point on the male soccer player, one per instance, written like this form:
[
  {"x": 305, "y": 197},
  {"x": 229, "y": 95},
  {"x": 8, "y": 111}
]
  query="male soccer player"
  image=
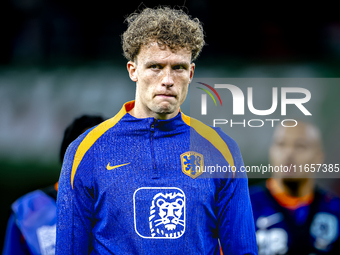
[
  {"x": 132, "y": 185},
  {"x": 31, "y": 229},
  {"x": 292, "y": 215}
]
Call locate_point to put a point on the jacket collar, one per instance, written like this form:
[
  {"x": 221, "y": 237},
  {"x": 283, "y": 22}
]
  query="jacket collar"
[{"x": 162, "y": 125}]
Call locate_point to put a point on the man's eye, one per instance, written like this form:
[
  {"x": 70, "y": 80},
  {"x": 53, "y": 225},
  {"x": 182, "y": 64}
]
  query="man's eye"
[
  {"x": 179, "y": 67},
  {"x": 155, "y": 66},
  {"x": 301, "y": 146},
  {"x": 280, "y": 144}
]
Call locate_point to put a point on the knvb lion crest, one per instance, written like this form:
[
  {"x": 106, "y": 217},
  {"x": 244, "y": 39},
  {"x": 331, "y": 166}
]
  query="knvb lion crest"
[
  {"x": 192, "y": 164},
  {"x": 167, "y": 215}
]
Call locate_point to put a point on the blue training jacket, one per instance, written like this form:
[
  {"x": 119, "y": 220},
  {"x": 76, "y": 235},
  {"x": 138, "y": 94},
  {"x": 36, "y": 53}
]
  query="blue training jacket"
[
  {"x": 144, "y": 186},
  {"x": 309, "y": 229}
]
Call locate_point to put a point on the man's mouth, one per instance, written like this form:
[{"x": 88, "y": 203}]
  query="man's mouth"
[{"x": 165, "y": 95}]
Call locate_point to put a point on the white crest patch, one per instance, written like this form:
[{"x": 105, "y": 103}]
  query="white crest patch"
[{"x": 166, "y": 212}]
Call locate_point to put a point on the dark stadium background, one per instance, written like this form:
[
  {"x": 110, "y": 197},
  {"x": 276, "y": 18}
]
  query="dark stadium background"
[{"x": 60, "y": 59}]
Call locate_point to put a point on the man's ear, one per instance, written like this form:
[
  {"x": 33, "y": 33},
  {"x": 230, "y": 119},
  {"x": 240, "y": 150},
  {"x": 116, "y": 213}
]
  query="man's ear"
[
  {"x": 192, "y": 69},
  {"x": 132, "y": 69}
]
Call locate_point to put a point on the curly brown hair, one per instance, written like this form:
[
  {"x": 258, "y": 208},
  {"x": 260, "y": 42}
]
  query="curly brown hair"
[{"x": 170, "y": 27}]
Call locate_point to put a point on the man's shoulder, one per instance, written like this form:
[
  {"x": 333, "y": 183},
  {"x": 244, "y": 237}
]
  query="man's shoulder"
[
  {"x": 258, "y": 190},
  {"x": 86, "y": 140},
  {"x": 89, "y": 137},
  {"x": 261, "y": 197},
  {"x": 209, "y": 132},
  {"x": 85, "y": 143},
  {"x": 213, "y": 138},
  {"x": 328, "y": 199}
]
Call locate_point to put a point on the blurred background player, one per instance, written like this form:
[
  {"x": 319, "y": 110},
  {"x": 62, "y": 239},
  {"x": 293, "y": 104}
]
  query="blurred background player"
[
  {"x": 31, "y": 227},
  {"x": 292, "y": 215}
]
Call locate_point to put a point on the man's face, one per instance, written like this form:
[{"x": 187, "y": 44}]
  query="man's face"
[
  {"x": 162, "y": 78},
  {"x": 297, "y": 146}
]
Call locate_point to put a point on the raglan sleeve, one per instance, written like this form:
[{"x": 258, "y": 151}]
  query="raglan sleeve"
[
  {"x": 75, "y": 204},
  {"x": 236, "y": 228}
]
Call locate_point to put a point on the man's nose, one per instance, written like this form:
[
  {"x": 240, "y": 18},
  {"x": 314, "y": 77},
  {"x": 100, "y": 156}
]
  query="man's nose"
[
  {"x": 167, "y": 78},
  {"x": 289, "y": 154}
]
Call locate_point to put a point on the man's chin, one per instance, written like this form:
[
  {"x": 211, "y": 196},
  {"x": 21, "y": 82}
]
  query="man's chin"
[
  {"x": 164, "y": 109},
  {"x": 163, "y": 113},
  {"x": 296, "y": 178}
]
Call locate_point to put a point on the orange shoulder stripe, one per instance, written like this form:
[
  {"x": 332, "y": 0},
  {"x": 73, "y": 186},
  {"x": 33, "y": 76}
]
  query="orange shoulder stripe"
[
  {"x": 212, "y": 136},
  {"x": 93, "y": 136}
]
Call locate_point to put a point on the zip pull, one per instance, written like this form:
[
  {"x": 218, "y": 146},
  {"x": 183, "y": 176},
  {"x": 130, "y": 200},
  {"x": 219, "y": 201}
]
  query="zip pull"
[
  {"x": 152, "y": 127},
  {"x": 155, "y": 173}
]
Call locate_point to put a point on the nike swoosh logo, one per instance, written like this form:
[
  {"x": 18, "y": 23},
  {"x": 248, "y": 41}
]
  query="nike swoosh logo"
[{"x": 108, "y": 167}]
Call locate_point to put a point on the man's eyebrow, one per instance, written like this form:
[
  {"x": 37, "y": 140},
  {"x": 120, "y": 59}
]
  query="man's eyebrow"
[
  {"x": 150, "y": 63},
  {"x": 186, "y": 64},
  {"x": 302, "y": 141}
]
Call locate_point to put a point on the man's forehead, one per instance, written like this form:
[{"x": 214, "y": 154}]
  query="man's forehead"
[
  {"x": 302, "y": 132},
  {"x": 163, "y": 52}
]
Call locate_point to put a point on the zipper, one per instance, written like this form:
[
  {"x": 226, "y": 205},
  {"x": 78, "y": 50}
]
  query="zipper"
[{"x": 155, "y": 174}]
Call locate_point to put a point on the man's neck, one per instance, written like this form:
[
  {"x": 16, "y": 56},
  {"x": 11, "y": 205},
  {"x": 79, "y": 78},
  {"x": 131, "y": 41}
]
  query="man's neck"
[
  {"x": 296, "y": 187},
  {"x": 141, "y": 112}
]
